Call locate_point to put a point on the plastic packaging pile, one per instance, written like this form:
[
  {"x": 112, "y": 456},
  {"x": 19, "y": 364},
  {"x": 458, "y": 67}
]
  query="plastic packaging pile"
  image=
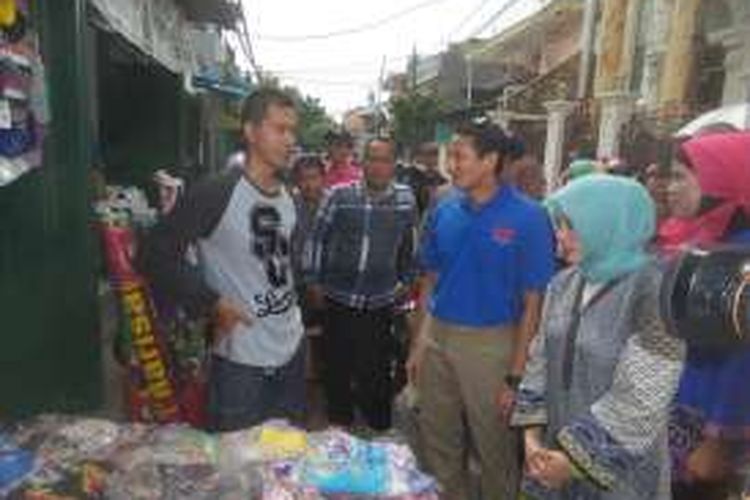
[
  {"x": 15, "y": 464},
  {"x": 54, "y": 457}
]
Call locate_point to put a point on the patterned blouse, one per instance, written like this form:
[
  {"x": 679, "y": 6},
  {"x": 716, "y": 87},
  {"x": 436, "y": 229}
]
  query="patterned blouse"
[{"x": 600, "y": 379}]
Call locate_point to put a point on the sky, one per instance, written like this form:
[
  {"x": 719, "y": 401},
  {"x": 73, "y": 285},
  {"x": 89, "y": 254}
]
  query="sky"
[{"x": 343, "y": 70}]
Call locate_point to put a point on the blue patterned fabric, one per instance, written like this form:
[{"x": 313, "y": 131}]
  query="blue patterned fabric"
[
  {"x": 595, "y": 451},
  {"x": 712, "y": 393},
  {"x": 531, "y": 406}
]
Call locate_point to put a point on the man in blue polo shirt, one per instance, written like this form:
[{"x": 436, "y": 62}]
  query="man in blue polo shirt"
[{"x": 488, "y": 253}]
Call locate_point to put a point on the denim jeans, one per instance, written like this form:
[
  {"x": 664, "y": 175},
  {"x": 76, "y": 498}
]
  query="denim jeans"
[{"x": 242, "y": 396}]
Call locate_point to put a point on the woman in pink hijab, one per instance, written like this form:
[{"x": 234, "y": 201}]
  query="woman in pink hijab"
[{"x": 709, "y": 198}]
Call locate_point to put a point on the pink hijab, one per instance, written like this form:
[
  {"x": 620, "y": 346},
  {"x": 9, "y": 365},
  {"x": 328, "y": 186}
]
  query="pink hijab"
[{"x": 721, "y": 163}]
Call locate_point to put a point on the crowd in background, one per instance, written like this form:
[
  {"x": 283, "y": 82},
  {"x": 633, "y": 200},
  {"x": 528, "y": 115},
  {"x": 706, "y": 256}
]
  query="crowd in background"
[{"x": 530, "y": 318}]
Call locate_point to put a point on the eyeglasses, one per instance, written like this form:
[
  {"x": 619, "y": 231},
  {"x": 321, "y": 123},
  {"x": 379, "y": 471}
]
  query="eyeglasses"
[{"x": 560, "y": 221}]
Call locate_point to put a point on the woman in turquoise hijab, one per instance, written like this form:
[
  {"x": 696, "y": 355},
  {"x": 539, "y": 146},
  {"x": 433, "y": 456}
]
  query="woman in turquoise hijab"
[
  {"x": 602, "y": 370},
  {"x": 579, "y": 169}
]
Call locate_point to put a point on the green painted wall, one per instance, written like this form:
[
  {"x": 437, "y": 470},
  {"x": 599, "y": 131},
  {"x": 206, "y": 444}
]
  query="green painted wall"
[{"x": 48, "y": 345}]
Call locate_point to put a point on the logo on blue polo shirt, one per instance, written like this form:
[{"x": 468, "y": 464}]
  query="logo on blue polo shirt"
[{"x": 504, "y": 235}]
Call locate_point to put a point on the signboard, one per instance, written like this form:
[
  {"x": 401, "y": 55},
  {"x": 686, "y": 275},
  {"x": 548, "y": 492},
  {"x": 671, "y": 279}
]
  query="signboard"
[{"x": 443, "y": 133}]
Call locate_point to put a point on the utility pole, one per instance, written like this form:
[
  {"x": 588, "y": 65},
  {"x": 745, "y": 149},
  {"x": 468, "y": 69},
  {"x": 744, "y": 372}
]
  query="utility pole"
[
  {"x": 413, "y": 70},
  {"x": 379, "y": 100},
  {"x": 587, "y": 47},
  {"x": 469, "y": 80}
]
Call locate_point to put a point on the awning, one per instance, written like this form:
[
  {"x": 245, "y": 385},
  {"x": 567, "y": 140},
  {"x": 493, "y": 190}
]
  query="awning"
[
  {"x": 234, "y": 89},
  {"x": 219, "y": 12},
  {"x": 157, "y": 27}
]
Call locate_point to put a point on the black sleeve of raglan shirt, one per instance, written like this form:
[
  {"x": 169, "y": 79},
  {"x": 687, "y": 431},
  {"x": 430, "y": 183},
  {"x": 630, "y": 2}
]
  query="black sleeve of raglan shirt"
[{"x": 162, "y": 256}]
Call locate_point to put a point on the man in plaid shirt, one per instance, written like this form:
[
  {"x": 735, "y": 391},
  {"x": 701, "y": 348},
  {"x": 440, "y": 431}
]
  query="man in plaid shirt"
[{"x": 361, "y": 259}]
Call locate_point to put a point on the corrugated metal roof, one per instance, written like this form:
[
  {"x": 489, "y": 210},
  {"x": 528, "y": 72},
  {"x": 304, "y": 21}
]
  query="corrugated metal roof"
[{"x": 219, "y": 12}]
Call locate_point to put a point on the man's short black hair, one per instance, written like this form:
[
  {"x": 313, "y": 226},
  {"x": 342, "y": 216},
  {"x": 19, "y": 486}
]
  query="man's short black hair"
[
  {"x": 385, "y": 140},
  {"x": 487, "y": 138},
  {"x": 256, "y": 105},
  {"x": 308, "y": 162}
]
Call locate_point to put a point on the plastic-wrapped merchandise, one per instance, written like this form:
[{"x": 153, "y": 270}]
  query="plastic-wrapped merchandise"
[
  {"x": 281, "y": 482},
  {"x": 175, "y": 446},
  {"x": 405, "y": 476},
  {"x": 84, "y": 480},
  {"x": 63, "y": 439},
  {"x": 74, "y": 455},
  {"x": 83, "y": 439},
  {"x": 243, "y": 484},
  {"x": 179, "y": 444},
  {"x": 178, "y": 462},
  {"x": 174, "y": 462},
  {"x": 15, "y": 465},
  {"x": 339, "y": 463},
  {"x": 280, "y": 441},
  {"x": 150, "y": 480},
  {"x": 96, "y": 459},
  {"x": 272, "y": 441},
  {"x": 239, "y": 449}
]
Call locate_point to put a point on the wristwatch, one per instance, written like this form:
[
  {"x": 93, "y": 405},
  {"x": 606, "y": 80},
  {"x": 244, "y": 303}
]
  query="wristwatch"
[{"x": 513, "y": 381}]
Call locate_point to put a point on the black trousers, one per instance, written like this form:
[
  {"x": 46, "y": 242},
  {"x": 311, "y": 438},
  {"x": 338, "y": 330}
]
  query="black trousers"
[{"x": 358, "y": 350}]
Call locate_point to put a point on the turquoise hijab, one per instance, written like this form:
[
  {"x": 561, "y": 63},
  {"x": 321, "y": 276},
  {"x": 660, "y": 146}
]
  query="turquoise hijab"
[
  {"x": 581, "y": 168},
  {"x": 614, "y": 219}
]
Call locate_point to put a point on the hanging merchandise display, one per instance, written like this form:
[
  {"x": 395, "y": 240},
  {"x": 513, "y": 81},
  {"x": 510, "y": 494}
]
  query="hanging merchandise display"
[
  {"x": 8, "y": 13},
  {"x": 185, "y": 337},
  {"x": 151, "y": 391},
  {"x": 164, "y": 351},
  {"x": 23, "y": 102}
]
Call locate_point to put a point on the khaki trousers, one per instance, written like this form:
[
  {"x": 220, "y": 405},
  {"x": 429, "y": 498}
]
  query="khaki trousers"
[{"x": 460, "y": 377}]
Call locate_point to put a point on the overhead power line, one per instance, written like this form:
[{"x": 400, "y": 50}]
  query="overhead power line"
[
  {"x": 469, "y": 17},
  {"x": 243, "y": 35},
  {"x": 509, "y": 4},
  {"x": 361, "y": 63},
  {"x": 316, "y": 81},
  {"x": 371, "y": 25}
]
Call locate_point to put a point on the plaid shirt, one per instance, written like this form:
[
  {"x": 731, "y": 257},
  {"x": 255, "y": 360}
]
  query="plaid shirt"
[{"x": 363, "y": 246}]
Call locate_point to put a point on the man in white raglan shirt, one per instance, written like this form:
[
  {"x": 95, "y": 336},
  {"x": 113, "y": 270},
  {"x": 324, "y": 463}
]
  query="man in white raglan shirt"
[{"x": 241, "y": 222}]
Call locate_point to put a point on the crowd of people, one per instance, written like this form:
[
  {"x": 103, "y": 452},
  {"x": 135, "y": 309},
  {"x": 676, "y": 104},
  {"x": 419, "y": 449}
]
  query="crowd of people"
[{"x": 537, "y": 347}]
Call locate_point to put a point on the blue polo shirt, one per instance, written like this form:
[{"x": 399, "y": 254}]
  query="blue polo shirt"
[{"x": 486, "y": 257}]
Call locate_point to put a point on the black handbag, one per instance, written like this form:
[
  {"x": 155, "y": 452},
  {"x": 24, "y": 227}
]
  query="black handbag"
[{"x": 705, "y": 296}]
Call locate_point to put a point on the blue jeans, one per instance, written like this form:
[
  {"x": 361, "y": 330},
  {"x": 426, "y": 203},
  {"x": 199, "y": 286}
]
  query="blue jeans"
[{"x": 242, "y": 396}]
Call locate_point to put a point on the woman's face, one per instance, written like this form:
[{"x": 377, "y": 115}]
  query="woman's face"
[
  {"x": 683, "y": 193},
  {"x": 657, "y": 184},
  {"x": 568, "y": 243}
]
